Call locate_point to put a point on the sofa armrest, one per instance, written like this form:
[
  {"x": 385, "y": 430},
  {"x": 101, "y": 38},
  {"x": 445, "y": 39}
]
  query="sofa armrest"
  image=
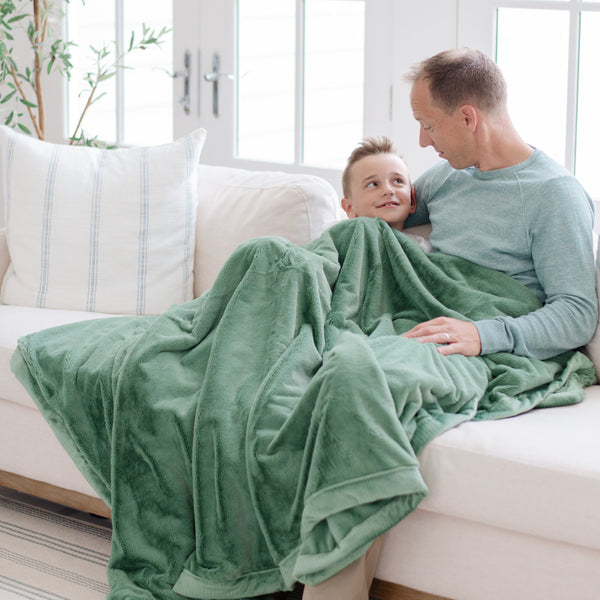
[{"x": 4, "y": 256}]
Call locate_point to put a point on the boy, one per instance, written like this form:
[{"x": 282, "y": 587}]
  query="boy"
[{"x": 376, "y": 183}]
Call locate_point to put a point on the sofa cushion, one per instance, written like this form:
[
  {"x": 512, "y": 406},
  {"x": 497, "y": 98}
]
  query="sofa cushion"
[
  {"x": 17, "y": 321},
  {"x": 235, "y": 205},
  {"x": 99, "y": 230},
  {"x": 537, "y": 473}
]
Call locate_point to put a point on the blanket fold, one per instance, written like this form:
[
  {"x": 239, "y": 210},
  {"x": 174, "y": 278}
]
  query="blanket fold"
[{"x": 268, "y": 431}]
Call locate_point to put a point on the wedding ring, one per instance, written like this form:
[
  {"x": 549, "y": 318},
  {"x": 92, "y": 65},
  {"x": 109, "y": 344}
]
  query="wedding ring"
[{"x": 447, "y": 337}]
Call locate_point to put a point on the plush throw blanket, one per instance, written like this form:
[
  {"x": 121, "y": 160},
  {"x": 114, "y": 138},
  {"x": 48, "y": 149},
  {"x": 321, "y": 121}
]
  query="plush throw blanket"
[{"x": 267, "y": 432}]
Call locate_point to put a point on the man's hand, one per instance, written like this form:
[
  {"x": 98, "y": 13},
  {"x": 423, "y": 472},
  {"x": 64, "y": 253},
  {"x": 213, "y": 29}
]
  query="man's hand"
[{"x": 458, "y": 337}]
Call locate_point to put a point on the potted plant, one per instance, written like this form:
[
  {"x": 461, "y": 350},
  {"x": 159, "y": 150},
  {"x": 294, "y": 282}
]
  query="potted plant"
[{"x": 22, "y": 81}]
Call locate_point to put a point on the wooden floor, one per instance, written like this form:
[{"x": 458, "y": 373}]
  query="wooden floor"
[{"x": 380, "y": 590}]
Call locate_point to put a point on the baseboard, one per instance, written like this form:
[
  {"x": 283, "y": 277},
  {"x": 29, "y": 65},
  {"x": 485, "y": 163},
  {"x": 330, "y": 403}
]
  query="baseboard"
[
  {"x": 384, "y": 590},
  {"x": 40, "y": 489}
]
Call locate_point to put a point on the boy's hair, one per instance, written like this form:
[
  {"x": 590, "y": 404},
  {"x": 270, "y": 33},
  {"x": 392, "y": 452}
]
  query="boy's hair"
[
  {"x": 367, "y": 147},
  {"x": 462, "y": 76}
]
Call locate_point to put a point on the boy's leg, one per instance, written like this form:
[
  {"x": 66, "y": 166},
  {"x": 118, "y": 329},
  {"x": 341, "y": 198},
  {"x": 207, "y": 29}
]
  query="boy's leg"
[{"x": 352, "y": 582}]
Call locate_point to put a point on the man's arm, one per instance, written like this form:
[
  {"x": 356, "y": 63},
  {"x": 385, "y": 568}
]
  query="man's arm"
[
  {"x": 561, "y": 244},
  {"x": 562, "y": 251}
]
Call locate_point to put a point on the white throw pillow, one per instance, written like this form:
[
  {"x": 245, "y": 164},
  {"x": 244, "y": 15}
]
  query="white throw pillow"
[
  {"x": 235, "y": 205},
  {"x": 99, "y": 230}
]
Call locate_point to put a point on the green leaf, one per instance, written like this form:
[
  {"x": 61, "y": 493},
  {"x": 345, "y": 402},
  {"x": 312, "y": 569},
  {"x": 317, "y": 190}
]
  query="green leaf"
[
  {"x": 23, "y": 128},
  {"x": 27, "y": 103},
  {"x": 106, "y": 76},
  {"x": 8, "y": 97}
]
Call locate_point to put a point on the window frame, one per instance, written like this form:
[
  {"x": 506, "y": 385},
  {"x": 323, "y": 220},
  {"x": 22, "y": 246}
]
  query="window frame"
[{"x": 477, "y": 27}]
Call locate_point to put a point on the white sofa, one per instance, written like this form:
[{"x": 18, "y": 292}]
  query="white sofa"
[{"x": 513, "y": 507}]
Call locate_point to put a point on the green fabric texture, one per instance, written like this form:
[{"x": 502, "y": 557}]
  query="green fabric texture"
[{"x": 268, "y": 431}]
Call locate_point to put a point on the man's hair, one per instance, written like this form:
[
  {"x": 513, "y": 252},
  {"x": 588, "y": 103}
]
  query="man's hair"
[
  {"x": 367, "y": 147},
  {"x": 462, "y": 76}
]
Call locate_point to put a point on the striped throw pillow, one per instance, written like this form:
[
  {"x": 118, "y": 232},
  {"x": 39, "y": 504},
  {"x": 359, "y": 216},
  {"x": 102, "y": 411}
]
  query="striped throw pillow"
[{"x": 99, "y": 230}]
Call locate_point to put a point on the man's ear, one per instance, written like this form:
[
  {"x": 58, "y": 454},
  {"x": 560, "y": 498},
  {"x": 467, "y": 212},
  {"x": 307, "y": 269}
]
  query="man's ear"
[
  {"x": 413, "y": 199},
  {"x": 469, "y": 116},
  {"x": 347, "y": 206}
]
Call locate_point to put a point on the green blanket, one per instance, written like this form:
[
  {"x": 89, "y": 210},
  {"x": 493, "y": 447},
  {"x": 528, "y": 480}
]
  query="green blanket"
[{"x": 267, "y": 432}]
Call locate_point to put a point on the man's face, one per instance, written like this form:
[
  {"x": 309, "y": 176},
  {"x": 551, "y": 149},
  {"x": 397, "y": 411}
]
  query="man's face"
[
  {"x": 380, "y": 187},
  {"x": 447, "y": 134}
]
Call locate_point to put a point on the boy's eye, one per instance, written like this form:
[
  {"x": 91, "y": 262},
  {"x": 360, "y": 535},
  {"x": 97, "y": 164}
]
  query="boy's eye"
[
  {"x": 371, "y": 184},
  {"x": 398, "y": 181}
]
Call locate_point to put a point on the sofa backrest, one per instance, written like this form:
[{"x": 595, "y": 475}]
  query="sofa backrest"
[
  {"x": 4, "y": 256},
  {"x": 235, "y": 205}
]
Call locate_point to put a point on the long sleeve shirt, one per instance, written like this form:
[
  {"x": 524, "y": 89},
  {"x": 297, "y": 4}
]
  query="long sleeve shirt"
[{"x": 533, "y": 221}]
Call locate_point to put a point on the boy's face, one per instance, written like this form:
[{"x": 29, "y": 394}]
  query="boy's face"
[{"x": 380, "y": 187}]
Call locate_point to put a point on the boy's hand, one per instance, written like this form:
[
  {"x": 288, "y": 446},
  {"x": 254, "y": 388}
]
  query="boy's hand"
[{"x": 457, "y": 337}]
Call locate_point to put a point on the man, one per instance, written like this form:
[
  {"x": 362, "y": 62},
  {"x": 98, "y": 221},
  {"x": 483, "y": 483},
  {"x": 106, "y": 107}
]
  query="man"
[{"x": 501, "y": 203}]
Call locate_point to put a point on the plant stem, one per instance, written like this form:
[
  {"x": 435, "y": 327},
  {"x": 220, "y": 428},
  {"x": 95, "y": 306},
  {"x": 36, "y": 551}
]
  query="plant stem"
[
  {"x": 87, "y": 105},
  {"x": 38, "y": 131},
  {"x": 38, "y": 44}
]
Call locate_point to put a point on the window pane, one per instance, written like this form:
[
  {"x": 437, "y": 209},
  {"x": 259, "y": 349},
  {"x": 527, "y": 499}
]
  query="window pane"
[
  {"x": 333, "y": 80},
  {"x": 266, "y": 80},
  {"x": 147, "y": 104},
  {"x": 536, "y": 70},
  {"x": 148, "y": 89},
  {"x": 588, "y": 116},
  {"x": 92, "y": 24}
]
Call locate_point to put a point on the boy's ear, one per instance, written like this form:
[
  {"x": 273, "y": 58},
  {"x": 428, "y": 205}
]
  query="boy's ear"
[
  {"x": 347, "y": 206},
  {"x": 413, "y": 200}
]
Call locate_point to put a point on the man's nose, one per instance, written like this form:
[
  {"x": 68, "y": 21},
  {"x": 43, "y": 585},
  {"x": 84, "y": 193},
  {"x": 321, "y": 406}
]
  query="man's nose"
[{"x": 424, "y": 138}]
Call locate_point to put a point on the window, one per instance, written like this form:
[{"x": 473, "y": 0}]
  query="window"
[
  {"x": 300, "y": 80},
  {"x": 549, "y": 52},
  {"x": 135, "y": 106}
]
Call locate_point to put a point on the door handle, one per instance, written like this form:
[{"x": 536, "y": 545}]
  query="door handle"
[{"x": 213, "y": 77}]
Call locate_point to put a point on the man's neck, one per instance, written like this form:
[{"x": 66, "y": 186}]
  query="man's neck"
[{"x": 501, "y": 146}]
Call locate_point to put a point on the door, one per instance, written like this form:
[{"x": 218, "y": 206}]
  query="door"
[
  {"x": 202, "y": 29},
  {"x": 283, "y": 84}
]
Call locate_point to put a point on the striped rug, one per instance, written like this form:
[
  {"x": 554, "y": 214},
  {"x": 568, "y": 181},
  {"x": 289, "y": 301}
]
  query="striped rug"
[{"x": 50, "y": 553}]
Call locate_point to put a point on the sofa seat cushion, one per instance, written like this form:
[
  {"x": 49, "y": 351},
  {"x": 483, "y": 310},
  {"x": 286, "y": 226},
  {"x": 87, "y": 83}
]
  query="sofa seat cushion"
[
  {"x": 537, "y": 473},
  {"x": 17, "y": 321}
]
